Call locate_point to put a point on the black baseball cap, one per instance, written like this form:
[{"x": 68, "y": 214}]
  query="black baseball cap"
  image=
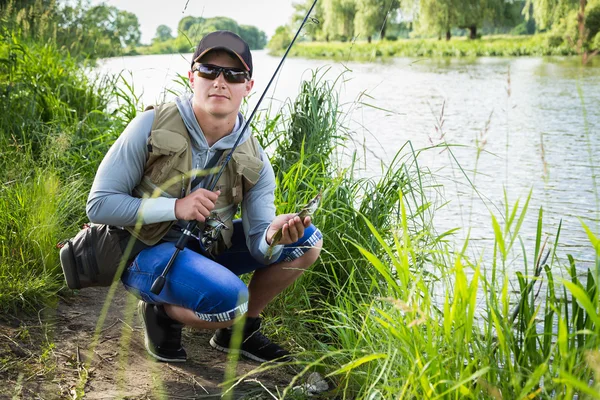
[{"x": 228, "y": 41}]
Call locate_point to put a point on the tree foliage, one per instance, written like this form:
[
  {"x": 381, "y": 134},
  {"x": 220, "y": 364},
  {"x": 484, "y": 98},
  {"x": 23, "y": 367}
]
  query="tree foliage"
[
  {"x": 281, "y": 39},
  {"x": 339, "y": 19},
  {"x": 163, "y": 32},
  {"x": 313, "y": 28},
  {"x": 192, "y": 29},
  {"x": 99, "y": 31},
  {"x": 372, "y": 17}
]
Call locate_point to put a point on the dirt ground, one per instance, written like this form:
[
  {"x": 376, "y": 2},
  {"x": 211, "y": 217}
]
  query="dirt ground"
[{"x": 53, "y": 356}]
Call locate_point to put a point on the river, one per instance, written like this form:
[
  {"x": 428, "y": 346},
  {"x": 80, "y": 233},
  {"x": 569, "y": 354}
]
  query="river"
[{"x": 536, "y": 121}]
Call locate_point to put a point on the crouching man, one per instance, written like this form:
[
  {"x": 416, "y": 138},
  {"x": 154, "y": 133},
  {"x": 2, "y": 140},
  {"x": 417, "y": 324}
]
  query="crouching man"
[{"x": 159, "y": 147}]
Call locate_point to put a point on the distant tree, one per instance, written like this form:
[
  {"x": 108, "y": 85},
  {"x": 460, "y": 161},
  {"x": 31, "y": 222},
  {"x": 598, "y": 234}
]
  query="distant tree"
[
  {"x": 314, "y": 26},
  {"x": 473, "y": 13},
  {"x": 127, "y": 28},
  {"x": 186, "y": 25},
  {"x": 223, "y": 24},
  {"x": 255, "y": 38},
  {"x": 163, "y": 33},
  {"x": 372, "y": 17},
  {"x": 338, "y": 18},
  {"x": 281, "y": 39},
  {"x": 437, "y": 17},
  {"x": 576, "y": 22},
  {"x": 548, "y": 12}
]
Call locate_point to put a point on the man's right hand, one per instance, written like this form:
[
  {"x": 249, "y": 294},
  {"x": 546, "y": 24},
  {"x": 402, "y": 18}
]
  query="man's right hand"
[{"x": 196, "y": 205}]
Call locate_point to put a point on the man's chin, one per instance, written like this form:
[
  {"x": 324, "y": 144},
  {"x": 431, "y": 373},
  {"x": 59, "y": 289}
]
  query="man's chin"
[{"x": 220, "y": 114}]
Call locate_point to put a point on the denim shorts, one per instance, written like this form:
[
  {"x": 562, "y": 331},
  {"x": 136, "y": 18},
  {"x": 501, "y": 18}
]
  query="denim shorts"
[{"x": 211, "y": 288}]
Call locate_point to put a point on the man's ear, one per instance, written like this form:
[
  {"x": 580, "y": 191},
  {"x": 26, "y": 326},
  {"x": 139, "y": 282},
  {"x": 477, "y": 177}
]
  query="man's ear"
[
  {"x": 249, "y": 86},
  {"x": 191, "y": 76}
]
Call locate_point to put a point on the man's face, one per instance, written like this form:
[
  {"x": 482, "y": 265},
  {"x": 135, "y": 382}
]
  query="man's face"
[{"x": 218, "y": 97}]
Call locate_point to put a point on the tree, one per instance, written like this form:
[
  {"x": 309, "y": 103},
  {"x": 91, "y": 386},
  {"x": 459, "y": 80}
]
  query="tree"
[
  {"x": 255, "y": 38},
  {"x": 127, "y": 28},
  {"x": 576, "y": 22},
  {"x": 437, "y": 16},
  {"x": 281, "y": 39},
  {"x": 314, "y": 26},
  {"x": 163, "y": 33},
  {"x": 372, "y": 17},
  {"x": 441, "y": 16},
  {"x": 548, "y": 12},
  {"x": 185, "y": 24},
  {"x": 338, "y": 18},
  {"x": 472, "y": 13}
]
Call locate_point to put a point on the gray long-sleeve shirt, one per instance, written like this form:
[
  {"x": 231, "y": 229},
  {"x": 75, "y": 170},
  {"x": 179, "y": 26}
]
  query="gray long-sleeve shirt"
[{"x": 110, "y": 200}]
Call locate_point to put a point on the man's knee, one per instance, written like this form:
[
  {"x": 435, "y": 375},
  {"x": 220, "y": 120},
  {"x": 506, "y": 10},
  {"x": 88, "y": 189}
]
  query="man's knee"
[{"x": 311, "y": 255}]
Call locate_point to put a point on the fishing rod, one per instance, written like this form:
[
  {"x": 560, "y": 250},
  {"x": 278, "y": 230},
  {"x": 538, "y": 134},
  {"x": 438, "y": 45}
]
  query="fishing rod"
[{"x": 159, "y": 282}]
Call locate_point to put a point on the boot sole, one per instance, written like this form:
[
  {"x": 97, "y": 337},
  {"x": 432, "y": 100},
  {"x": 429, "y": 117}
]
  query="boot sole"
[{"x": 147, "y": 340}]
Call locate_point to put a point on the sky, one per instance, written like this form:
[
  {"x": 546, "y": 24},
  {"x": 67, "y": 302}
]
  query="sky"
[{"x": 266, "y": 15}]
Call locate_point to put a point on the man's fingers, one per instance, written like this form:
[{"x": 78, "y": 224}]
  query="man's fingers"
[
  {"x": 213, "y": 196},
  {"x": 199, "y": 217},
  {"x": 307, "y": 221},
  {"x": 293, "y": 229},
  {"x": 206, "y": 203},
  {"x": 200, "y": 209}
]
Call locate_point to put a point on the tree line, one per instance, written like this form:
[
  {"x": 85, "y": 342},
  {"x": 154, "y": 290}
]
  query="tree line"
[
  {"x": 105, "y": 31},
  {"x": 193, "y": 28},
  {"x": 576, "y": 21},
  {"x": 98, "y": 31}
]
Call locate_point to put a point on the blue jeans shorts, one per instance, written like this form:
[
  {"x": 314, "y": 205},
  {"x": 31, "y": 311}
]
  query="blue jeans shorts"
[{"x": 211, "y": 288}]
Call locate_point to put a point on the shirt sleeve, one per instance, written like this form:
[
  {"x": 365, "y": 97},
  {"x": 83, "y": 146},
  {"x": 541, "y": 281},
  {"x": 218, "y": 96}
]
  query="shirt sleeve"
[
  {"x": 110, "y": 200},
  {"x": 258, "y": 211}
]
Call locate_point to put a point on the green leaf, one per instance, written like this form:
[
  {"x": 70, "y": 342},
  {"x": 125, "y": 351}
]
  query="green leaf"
[
  {"x": 353, "y": 364},
  {"x": 499, "y": 237},
  {"x": 581, "y": 296}
]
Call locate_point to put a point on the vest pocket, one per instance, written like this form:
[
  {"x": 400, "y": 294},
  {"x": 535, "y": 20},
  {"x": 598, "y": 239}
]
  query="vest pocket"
[
  {"x": 166, "y": 150},
  {"x": 247, "y": 170}
]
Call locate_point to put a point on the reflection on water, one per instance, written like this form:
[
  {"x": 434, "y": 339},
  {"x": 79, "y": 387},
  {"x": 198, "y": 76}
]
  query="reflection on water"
[{"x": 535, "y": 120}]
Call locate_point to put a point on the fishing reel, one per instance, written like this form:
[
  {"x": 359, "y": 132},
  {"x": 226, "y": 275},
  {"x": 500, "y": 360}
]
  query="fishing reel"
[{"x": 211, "y": 232}]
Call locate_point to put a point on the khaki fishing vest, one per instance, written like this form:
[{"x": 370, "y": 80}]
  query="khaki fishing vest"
[{"x": 168, "y": 173}]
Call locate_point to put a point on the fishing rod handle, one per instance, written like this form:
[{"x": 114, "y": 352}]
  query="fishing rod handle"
[{"x": 159, "y": 283}]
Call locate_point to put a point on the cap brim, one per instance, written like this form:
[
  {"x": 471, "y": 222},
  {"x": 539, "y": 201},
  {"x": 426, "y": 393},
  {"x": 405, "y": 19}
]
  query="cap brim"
[{"x": 222, "y": 48}]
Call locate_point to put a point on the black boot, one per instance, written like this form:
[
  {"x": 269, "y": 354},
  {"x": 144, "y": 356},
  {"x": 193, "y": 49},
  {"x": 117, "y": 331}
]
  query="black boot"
[
  {"x": 255, "y": 345},
  {"x": 162, "y": 334}
]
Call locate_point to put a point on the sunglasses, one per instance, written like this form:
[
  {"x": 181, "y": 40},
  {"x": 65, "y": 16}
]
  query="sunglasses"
[{"x": 231, "y": 75}]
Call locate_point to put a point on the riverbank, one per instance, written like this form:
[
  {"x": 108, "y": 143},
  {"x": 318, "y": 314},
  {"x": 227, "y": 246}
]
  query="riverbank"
[
  {"x": 392, "y": 309},
  {"x": 498, "y": 46}
]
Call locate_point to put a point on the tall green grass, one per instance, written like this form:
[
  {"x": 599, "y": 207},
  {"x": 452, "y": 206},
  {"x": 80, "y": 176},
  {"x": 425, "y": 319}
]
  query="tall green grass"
[{"x": 54, "y": 130}]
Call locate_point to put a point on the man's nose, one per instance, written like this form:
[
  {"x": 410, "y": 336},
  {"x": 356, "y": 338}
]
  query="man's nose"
[{"x": 219, "y": 80}]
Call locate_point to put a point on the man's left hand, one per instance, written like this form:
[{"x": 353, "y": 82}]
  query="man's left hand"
[{"x": 292, "y": 228}]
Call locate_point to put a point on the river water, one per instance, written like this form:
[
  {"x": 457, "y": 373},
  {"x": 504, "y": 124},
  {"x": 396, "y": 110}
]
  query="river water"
[{"x": 535, "y": 120}]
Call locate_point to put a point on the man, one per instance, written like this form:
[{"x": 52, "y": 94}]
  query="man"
[{"x": 152, "y": 156}]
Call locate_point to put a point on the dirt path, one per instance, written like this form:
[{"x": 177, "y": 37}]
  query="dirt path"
[{"x": 52, "y": 357}]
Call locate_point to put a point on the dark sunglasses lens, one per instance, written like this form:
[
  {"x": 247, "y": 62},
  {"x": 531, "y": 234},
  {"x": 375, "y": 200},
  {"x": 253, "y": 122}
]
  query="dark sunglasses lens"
[
  {"x": 234, "y": 76},
  {"x": 208, "y": 72}
]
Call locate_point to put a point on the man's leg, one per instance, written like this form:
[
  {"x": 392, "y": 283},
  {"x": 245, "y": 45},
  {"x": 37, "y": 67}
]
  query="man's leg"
[
  {"x": 198, "y": 292},
  {"x": 268, "y": 282}
]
